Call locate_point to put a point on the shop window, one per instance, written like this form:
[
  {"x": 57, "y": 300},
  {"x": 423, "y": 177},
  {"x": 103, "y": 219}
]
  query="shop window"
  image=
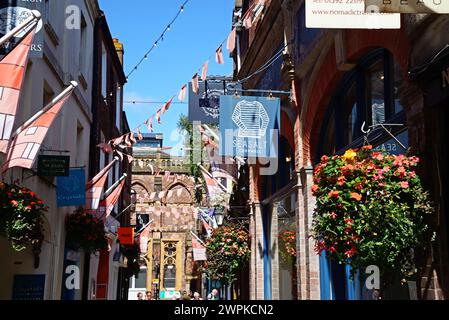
[
  {"x": 170, "y": 253},
  {"x": 375, "y": 90},
  {"x": 140, "y": 282}
]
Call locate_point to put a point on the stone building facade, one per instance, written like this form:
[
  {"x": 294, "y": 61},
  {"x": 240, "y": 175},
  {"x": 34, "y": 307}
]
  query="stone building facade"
[
  {"x": 164, "y": 194},
  {"x": 336, "y": 74}
]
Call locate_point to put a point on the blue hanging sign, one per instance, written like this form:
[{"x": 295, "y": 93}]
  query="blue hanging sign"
[
  {"x": 249, "y": 126},
  {"x": 71, "y": 190}
]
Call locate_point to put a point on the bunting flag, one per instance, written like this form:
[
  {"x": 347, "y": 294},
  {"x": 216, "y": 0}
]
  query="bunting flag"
[
  {"x": 158, "y": 116},
  {"x": 149, "y": 124},
  {"x": 166, "y": 175},
  {"x": 294, "y": 98},
  {"x": 132, "y": 138},
  {"x": 248, "y": 20},
  {"x": 107, "y": 204},
  {"x": 139, "y": 135},
  {"x": 12, "y": 71},
  {"x": 94, "y": 188},
  {"x": 25, "y": 145},
  {"x": 199, "y": 250},
  {"x": 231, "y": 41},
  {"x": 167, "y": 105},
  {"x": 182, "y": 93},
  {"x": 106, "y": 147},
  {"x": 118, "y": 141},
  {"x": 219, "y": 55},
  {"x": 195, "y": 84},
  {"x": 204, "y": 70},
  {"x": 130, "y": 158},
  {"x": 144, "y": 238}
]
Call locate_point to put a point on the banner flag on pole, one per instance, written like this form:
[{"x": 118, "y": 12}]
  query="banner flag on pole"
[
  {"x": 158, "y": 116},
  {"x": 195, "y": 84},
  {"x": 199, "y": 250},
  {"x": 107, "y": 204},
  {"x": 27, "y": 140},
  {"x": 167, "y": 105},
  {"x": 96, "y": 185},
  {"x": 12, "y": 72}
]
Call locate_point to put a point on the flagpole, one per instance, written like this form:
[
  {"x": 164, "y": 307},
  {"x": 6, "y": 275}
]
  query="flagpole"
[
  {"x": 197, "y": 238},
  {"x": 144, "y": 227},
  {"x": 212, "y": 177},
  {"x": 115, "y": 185},
  {"x": 62, "y": 95},
  {"x": 35, "y": 17}
]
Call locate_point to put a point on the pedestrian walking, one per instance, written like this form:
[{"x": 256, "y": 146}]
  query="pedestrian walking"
[
  {"x": 213, "y": 295},
  {"x": 140, "y": 296}
]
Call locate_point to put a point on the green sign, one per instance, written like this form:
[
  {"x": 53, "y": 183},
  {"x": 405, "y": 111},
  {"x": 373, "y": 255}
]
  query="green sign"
[{"x": 53, "y": 166}]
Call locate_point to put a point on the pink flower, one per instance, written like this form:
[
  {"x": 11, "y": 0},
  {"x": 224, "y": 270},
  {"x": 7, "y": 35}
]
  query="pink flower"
[
  {"x": 379, "y": 156},
  {"x": 400, "y": 172},
  {"x": 324, "y": 159},
  {"x": 333, "y": 215},
  {"x": 341, "y": 180},
  {"x": 404, "y": 184}
]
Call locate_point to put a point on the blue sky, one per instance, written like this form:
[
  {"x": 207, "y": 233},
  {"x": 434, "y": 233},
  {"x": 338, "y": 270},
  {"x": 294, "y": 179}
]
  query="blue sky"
[{"x": 192, "y": 39}]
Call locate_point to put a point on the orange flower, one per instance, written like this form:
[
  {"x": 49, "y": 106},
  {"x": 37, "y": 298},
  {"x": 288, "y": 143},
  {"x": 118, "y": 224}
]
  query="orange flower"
[
  {"x": 334, "y": 194},
  {"x": 314, "y": 189},
  {"x": 356, "y": 196}
]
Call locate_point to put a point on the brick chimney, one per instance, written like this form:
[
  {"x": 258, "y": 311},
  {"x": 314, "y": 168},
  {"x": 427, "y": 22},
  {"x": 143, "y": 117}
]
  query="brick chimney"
[{"x": 119, "y": 48}]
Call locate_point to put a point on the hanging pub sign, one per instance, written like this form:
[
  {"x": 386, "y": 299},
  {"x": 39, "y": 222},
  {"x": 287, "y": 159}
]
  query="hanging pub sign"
[
  {"x": 408, "y": 6},
  {"x": 126, "y": 235},
  {"x": 14, "y": 12},
  {"x": 347, "y": 14},
  {"x": 205, "y": 106},
  {"x": 249, "y": 126},
  {"x": 53, "y": 166},
  {"x": 71, "y": 190},
  {"x": 141, "y": 221}
]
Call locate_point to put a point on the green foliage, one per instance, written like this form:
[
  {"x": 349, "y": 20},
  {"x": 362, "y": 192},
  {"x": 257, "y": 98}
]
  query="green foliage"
[
  {"x": 228, "y": 250},
  {"x": 21, "y": 217},
  {"x": 370, "y": 210},
  {"x": 85, "y": 231}
]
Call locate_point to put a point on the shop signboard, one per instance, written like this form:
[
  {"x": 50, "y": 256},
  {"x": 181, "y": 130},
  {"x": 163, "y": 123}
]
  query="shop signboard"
[
  {"x": 347, "y": 15},
  {"x": 53, "y": 166},
  {"x": 408, "y": 6},
  {"x": 28, "y": 287},
  {"x": 249, "y": 126},
  {"x": 14, "y": 12}
]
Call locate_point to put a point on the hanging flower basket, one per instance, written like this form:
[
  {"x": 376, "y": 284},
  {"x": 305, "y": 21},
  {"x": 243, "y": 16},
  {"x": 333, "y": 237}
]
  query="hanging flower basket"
[
  {"x": 370, "y": 210},
  {"x": 227, "y": 252},
  {"x": 21, "y": 217},
  {"x": 85, "y": 232},
  {"x": 287, "y": 248}
]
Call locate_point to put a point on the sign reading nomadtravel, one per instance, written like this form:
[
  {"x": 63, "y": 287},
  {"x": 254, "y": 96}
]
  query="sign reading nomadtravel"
[
  {"x": 71, "y": 190},
  {"x": 347, "y": 14},
  {"x": 205, "y": 106},
  {"x": 12, "y": 14},
  {"x": 249, "y": 126},
  {"x": 53, "y": 166},
  {"x": 408, "y": 6}
]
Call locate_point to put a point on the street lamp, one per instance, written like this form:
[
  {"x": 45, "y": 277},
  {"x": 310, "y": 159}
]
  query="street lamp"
[{"x": 219, "y": 216}]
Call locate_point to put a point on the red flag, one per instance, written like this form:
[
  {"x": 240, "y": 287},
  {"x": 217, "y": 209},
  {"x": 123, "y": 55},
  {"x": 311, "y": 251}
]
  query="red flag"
[
  {"x": 204, "y": 70},
  {"x": 195, "y": 84},
  {"x": 24, "y": 147},
  {"x": 149, "y": 124},
  {"x": 182, "y": 93},
  {"x": 167, "y": 105},
  {"x": 231, "y": 40},
  {"x": 12, "y": 71},
  {"x": 219, "y": 55},
  {"x": 143, "y": 239},
  {"x": 199, "y": 251},
  {"x": 158, "y": 116},
  {"x": 107, "y": 205},
  {"x": 95, "y": 187},
  {"x": 139, "y": 135},
  {"x": 207, "y": 226}
]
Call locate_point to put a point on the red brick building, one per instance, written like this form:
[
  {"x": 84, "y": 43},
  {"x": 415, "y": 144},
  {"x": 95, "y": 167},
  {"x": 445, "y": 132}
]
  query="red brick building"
[{"x": 342, "y": 78}]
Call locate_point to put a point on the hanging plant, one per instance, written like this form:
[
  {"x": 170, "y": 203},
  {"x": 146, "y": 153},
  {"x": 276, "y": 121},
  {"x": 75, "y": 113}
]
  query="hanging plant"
[
  {"x": 227, "y": 252},
  {"x": 287, "y": 248},
  {"x": 370, "y": 210},
  {"x": 21, "y": 217},
  {"x": 86, "y": 232}
]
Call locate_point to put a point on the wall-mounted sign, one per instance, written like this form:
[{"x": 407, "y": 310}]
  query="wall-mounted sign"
[
  {"x": 205, "y": 106},
  {"x": 249, "y": 126},
  {"x": 346, "y": 14},
  {"x": 126, "y": 235},
  {"x": 12, "y": 13},
  {"x": 408, "y": 6},
  {"x": 71, "y": 190},
  {"x": 28, "y": 287},
  {"x": 53, "y": 166},
  {"x": 141, "y": 221}
]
